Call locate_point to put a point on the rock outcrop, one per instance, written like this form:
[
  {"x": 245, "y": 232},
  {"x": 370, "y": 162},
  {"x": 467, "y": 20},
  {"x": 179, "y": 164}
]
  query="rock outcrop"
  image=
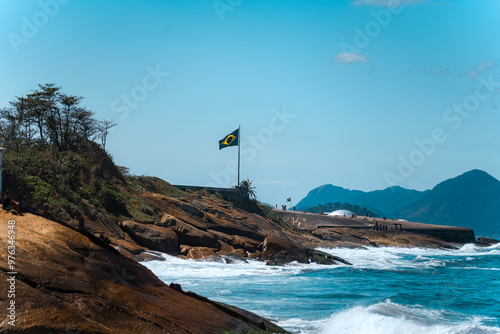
[
  {"x": 278, "y": 251},
  {"x": 487, "y": 241},
  {"x": 208, "y": 229},
  {"x": 154, "y": 237},
  {"x": 72, "y": 282}
]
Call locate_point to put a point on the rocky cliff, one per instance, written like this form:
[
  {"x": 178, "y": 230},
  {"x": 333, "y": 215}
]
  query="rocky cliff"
[
  {"x": 71, "y": 282},
  {"x": 208, "y": 228}
]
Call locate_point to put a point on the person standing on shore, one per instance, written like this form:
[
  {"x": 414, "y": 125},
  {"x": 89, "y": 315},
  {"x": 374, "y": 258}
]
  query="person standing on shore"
[{"x": 9, "y": 203}]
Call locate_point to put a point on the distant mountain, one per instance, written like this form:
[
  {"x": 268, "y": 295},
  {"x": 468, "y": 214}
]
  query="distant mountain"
[
  {"x": 382, "y": 202},
  {"x": 469, "y": 200}
]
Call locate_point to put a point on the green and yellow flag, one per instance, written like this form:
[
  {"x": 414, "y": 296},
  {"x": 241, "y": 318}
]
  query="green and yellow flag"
[{"x": 231, "y": 139}]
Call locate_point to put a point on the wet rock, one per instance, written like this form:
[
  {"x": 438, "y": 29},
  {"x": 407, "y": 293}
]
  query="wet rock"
[
  {"x": 257, "y": 255},
  {"x": 185, "y": 249},
  {"x": 240, "y": 252},
  {"x": 148, "y": 256},
  {"x": 486, "y": 241},
  {"x": 325, "y": 258},
  {"x": 278, "y": 251},
  {"x": 203, "y": 253}
]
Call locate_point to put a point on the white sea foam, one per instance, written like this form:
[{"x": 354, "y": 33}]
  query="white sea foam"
[
  {"x": 391, "y": 318},
  {"x": 387, "y": 317},
  {"x": 174, "y": 269},
  {"x": 383, "y": 258},
  {"x": 387, "y": 258},
  {"x": 301, "y": 326}
]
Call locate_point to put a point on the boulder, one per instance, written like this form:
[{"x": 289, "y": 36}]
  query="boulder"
[
  {"x": 167, "y": 220},
  {"x": 157, "y": 238},
  {"x": 190, "y": 235},
  {"x": 486, "y": 241},
  {"x": 203, "y": 253},
  {"x": 325, "y": 258},
  {"x": 228, "y": 239},
  {"x": 257, "y": 255},
  {"x": 240, "y": 252},
  {"x": 147, "y": 256},
  {"x": 191, "y": 209},
  {"x": 68, "y": 283},
  {"x": 279, "y": 251},
  {"x": 248, "y": 244},
  {"x": 185, "y": 249}
]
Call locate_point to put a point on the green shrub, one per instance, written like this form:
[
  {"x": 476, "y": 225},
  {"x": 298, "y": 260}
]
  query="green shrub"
[{"x": 112, "y": 201}]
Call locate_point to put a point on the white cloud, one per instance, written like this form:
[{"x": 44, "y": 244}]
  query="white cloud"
[
  {"x": 346, "y": 58},
  {"x": 387, "y": 3},
  {"x": 479, "y": 68},
  {"x": 437, "y": 71}
]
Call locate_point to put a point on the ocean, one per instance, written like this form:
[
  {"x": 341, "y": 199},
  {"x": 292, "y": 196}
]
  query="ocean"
[{"x": 386, "y": 290}]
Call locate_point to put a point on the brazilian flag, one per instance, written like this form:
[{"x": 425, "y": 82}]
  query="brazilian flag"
[{"x": 231, "y": 139}]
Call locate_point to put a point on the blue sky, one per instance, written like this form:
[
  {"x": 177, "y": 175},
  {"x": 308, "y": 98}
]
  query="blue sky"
[{"x": 362, "y": 94}]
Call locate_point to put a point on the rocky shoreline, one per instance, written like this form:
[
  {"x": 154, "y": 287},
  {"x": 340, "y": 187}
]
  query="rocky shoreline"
[
  {"x": 67, "y": 283},
  {"x": 91, "y": 282},
  {"x": 204, "y": 228}
]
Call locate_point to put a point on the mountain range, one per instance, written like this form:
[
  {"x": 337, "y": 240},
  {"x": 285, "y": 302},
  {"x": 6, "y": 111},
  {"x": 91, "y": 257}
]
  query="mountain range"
[{"x": 468, "y": 200}]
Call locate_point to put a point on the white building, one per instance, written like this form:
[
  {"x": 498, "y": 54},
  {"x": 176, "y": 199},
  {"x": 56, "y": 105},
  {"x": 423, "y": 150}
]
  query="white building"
[{"x": 341, "y": 213}]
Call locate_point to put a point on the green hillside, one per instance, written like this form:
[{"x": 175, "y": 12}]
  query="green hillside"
[
  {"x": 382, "y": 202},
  {"x": 469, "y": 200}
]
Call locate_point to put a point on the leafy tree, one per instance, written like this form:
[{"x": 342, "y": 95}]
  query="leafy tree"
[
  {"x": 49, "y": 118},
  {"x": 246, "y": 186}
]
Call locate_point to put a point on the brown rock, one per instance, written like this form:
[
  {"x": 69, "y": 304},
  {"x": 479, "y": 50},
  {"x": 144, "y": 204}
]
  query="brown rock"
[
  {"x": 228, "y": 239},
  {"x": 202, "y": 253},
  {"x": 245, "y": 243},
  {"x": 146, "y": 256},
  {"x": 167, "y": 220},
  {"x": 158, "y": 238},
  {"x": 240, "y": 252},
  {"x": 279, "y": 251},
  {"x": 256, "y": 255},
  {"x": 190, "y": 235},
  {"x": 69, "y": 283},
  {"x": 226, "y": 248},
  {"x": 185, "y": 249}
]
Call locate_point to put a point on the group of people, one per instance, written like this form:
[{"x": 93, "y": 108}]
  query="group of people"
[{"x": 9, "y": 204}]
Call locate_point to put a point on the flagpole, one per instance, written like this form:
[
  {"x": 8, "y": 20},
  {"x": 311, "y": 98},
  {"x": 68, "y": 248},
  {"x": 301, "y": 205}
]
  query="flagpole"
[{"x": 239, "y": 144}]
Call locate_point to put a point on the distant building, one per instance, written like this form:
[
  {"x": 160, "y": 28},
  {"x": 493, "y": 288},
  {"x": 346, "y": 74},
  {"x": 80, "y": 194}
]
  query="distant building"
[{"x": 341, "y": 213}]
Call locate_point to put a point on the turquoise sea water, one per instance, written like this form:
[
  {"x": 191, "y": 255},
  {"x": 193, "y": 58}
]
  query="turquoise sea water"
[{"x": 386, "y": 290}]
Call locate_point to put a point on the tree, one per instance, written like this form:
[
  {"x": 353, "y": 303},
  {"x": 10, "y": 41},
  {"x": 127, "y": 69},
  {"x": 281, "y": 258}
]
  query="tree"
[
  {"x": 246, "y": 186},
  {"x": 104, "y": 127},
  {"x": 69, "y": 111},
  {"x": 49, "y": 118}
]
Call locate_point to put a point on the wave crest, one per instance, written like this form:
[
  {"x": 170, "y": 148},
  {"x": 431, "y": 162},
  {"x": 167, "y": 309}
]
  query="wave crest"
[{"x": 392, "y": 318}]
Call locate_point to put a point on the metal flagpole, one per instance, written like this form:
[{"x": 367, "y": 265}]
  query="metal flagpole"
[{"x": 239, "y": 144}]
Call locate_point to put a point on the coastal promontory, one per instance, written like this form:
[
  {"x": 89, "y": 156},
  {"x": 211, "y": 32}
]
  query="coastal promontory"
[{"x": 69, "y": 282}]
